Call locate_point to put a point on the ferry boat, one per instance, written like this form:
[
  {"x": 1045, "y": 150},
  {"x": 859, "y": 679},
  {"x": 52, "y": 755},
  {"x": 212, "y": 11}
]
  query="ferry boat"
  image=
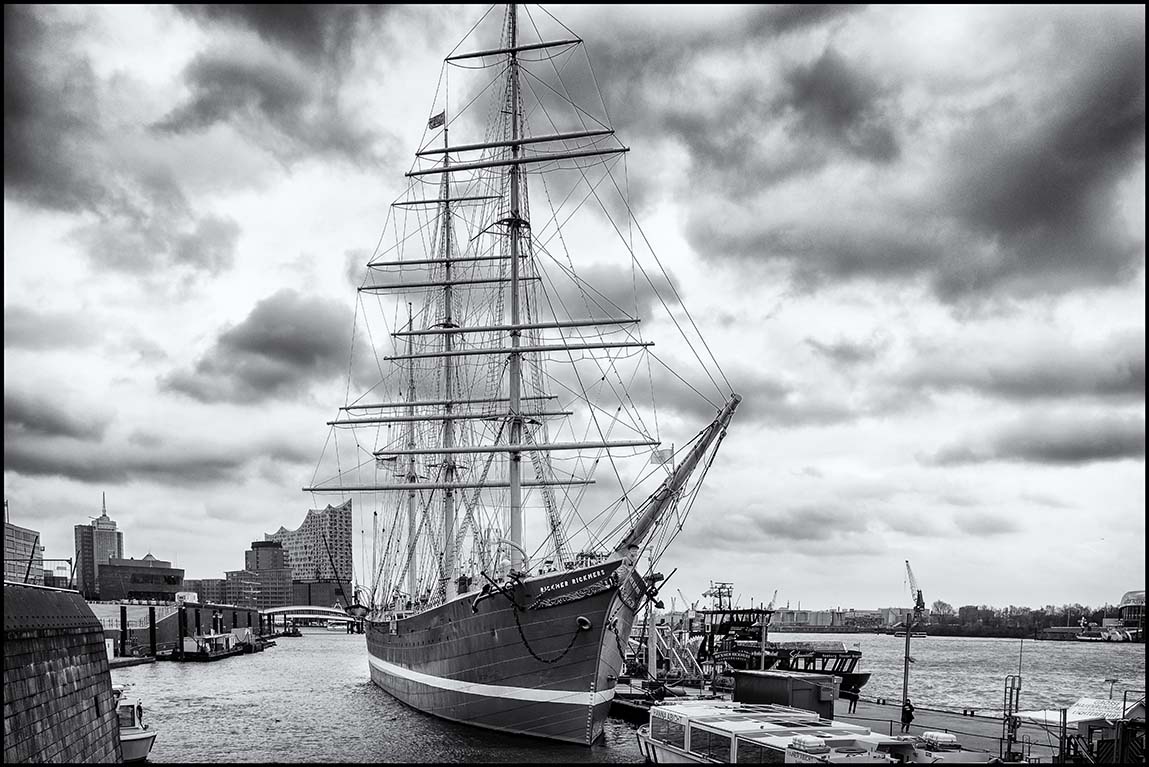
[
  {"x": 1105, "y": 634},
  {"x": 514, "y": 373},
  {"x": 1109, "y": 631},
  {"x": 136, "y": 738},
  {"x": 725, "y": 732}
]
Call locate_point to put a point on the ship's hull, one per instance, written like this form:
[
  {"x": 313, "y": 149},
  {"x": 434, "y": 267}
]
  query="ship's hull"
[{"x": 544, "y": 665}]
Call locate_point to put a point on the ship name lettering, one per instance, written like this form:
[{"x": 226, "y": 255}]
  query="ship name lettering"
[{"x": 553, "y": 586}]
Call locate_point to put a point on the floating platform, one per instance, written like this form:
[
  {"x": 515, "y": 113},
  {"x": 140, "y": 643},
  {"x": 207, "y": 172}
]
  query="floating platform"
[{"x": 978, "y": 731}]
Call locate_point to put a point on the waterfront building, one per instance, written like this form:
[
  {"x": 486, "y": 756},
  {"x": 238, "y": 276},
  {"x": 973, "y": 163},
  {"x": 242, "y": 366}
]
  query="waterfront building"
[
  {"x": 95, "y": 545},
  {"x": 59, "y": 578},
  {"x": 319, "y": 550},
  {"x": 147, "y": 579},
  {"x": 862, "y": 618},
  {"x": 241, "y": 588},
  {"x": 21, "y": 547},
  {"x": 892, "y": 616},
  {"x": 787, "y": 617},
  {"x": 267, "y": 560},
  {"x": 210, "y": 591},
  {"x": 1131, "y": 609},
  {"x": 318, "y": 593}
]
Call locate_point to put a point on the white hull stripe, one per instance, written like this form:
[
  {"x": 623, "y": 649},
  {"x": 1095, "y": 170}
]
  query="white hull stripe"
[{"x": 493, "y": 690}]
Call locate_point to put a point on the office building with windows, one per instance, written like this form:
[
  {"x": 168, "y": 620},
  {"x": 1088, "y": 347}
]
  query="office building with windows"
[
  {"x": 23, "y": 555},
  {"x": 95, "y": 545},
  {"x": 268, "y": 561},
  {"x": 148, "y": 579}
]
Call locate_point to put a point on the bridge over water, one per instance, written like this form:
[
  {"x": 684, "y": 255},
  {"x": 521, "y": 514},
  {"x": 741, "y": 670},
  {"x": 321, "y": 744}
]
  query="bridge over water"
[{"x": 307, "y": 612}]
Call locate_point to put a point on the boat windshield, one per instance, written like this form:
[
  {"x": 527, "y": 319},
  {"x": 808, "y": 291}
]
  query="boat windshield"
[{"x": 126, "y": 715}]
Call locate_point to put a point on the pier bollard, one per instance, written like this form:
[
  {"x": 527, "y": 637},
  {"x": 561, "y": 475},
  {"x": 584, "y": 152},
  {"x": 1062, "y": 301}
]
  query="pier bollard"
[
  {"x": 123, "y": 630},
  {"x": 183, "y": 630},
  {"x": 152, "y": 629}
]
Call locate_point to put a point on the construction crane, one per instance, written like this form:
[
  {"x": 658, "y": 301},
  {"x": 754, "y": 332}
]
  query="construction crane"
[
  {"x": 772, "y": 599},
  {"x": 915, "y": 594}
]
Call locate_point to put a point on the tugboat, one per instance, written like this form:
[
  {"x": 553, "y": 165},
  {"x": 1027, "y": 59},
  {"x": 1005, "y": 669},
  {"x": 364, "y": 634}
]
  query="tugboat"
[{"x": 136, "y": 738}]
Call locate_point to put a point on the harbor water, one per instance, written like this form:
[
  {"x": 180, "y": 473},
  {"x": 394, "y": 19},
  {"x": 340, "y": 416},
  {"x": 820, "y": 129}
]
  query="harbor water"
[
  {"x": 310, "y": 699},
  {"x": 955, "y": 673}
]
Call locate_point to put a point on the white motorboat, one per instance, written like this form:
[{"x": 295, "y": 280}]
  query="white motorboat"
[{"x": 136, "y": 738}]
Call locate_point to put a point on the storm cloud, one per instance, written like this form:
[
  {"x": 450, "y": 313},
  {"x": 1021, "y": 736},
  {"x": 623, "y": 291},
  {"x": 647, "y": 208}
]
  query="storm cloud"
[
  {"x": 29, "y": 416},
  {"x": 287, "y": 342},
  {"x": 63, "y": 151},
  {"x": 1022, "y": 192},
  {"x": 285, "y": 92},
  {"x": 1060, "y": 440},
  {"x": 1041, "y": 369}
]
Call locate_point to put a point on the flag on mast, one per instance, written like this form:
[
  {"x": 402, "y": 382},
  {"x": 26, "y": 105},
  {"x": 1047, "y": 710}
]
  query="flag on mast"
[
  {"x": 437, "y": 120},
  {"x": 664, "y": 455}
]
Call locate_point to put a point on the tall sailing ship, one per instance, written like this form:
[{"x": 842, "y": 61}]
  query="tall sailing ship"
[{"x": 505, "y": 570}]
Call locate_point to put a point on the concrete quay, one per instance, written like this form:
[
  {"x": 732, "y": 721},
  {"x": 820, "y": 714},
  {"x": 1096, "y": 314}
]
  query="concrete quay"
[{"x": 977, "y": 731}]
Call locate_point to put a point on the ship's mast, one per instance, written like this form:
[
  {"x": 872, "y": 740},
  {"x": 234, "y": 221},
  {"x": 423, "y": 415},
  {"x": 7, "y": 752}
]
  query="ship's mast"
[
  {"x": 412, "y": 476},
  {"x": 448, "y": 387},
  {"x": 516, "y": 436}
]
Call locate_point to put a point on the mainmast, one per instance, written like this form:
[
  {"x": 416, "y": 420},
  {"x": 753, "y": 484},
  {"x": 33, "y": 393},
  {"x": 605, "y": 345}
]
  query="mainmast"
[
  {"x": 516, "y": 373},
  {"x": 448, "y": 387}
]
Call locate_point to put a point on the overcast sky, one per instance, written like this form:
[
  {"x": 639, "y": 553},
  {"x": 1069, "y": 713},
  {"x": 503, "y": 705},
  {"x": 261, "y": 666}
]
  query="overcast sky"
[{"x": 915, "y": 236}]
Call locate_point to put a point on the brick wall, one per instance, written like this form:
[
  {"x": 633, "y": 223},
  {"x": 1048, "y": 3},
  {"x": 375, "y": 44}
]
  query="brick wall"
[{"x": 57, "y": 691}]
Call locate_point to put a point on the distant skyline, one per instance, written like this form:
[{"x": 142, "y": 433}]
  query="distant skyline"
[{"x": 914, "y": 237}]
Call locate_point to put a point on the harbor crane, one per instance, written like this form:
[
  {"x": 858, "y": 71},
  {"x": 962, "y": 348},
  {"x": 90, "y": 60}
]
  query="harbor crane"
[
  {"x": 915, "y": 594},
  {"x": 911, "y": 621},
  {"x": 686, "y": 602},
  {"x": 772, "y": 600}
]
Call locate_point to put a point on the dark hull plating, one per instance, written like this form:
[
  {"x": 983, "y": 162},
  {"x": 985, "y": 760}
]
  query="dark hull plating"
[{"x": 545, "y": 665}]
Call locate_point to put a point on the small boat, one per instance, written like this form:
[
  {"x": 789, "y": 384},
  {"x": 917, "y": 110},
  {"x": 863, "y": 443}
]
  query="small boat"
[
  {"x": 726, "y": 732},
  {"x": 136, "y": 738},
  {"x": 913, "y": 635},
  {"x": 291, "y": 631},
  {"x": 337, "y": 626}
]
